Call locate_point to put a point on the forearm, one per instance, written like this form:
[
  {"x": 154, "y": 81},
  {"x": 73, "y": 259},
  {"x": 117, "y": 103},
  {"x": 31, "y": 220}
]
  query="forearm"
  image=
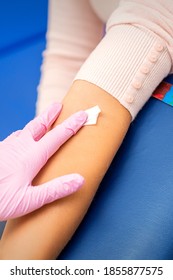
[{"x": 44, "y": 233}]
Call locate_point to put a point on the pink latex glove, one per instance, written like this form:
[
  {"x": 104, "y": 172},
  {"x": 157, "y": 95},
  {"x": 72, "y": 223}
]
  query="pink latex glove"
[{"x": 24, "y": 153}]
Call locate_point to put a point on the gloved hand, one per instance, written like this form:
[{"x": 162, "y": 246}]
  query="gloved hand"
[{"x": 24, "y": 153}]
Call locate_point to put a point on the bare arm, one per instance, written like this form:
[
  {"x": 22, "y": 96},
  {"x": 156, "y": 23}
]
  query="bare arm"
[{"x": 44, "y": 233}]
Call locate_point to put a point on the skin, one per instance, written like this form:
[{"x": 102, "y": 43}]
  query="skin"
[{"x": 44, "y": 233}]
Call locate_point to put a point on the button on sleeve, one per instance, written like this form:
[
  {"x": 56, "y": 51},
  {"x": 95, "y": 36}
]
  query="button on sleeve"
[{"x": 129, "y": 63}]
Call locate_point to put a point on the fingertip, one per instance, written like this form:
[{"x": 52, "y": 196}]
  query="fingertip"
[
  {"x": 78, "y": 180},
  {"x": 55, "y": 107},
  {"x": 74, "y": 183},
  {"x": 76, "y": 121},
  {"x": 82, "y": 116}
]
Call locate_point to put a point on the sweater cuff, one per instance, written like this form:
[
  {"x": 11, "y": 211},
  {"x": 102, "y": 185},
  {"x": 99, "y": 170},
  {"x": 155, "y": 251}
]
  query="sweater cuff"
[{"x": 128, "y": 63}]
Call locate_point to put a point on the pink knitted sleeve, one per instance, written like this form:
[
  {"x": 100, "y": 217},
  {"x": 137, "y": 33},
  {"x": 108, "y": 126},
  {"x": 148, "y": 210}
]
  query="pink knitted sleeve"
[
  {"x": 135, "y": 54},
  {"x": 73, "y": 32}
]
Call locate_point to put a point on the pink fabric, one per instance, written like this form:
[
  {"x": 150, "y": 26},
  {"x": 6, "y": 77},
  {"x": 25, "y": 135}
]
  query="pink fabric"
[
  {"x": 129, "y": 62},
  {"x": 24, "y": 153},
  {"x": 73, "y": 32},
  {"x": 155, "y": 16}
]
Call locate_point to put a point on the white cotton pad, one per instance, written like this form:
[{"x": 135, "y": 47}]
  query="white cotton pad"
[{"x": 92, "y": 115}]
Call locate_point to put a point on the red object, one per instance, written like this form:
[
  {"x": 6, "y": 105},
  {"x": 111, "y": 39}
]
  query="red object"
[{"x": 161, "y": 90}]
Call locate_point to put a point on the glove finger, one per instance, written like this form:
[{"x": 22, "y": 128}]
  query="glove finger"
[
  {"x": 13, "y": 135},
  {"x": 52, "y": 141},
  {"x": 63, "y": 186},
  {"x": 40, "y": 125}
]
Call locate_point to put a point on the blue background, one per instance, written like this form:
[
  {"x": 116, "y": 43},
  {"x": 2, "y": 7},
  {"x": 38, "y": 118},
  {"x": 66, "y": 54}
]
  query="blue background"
[{"x": 22, "y": 40}]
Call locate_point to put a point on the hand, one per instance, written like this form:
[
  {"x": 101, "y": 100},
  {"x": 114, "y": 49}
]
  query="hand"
[{"x": 24, "y": 153}]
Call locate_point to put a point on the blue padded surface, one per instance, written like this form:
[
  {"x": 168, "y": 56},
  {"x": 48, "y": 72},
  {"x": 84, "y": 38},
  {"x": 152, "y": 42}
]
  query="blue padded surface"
[
  {"x": 21, "y": 21},
  {"x": 132, "y": 215},
  {"x": 22, "y": 39},
  {"x": 18, "y": 85}
]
